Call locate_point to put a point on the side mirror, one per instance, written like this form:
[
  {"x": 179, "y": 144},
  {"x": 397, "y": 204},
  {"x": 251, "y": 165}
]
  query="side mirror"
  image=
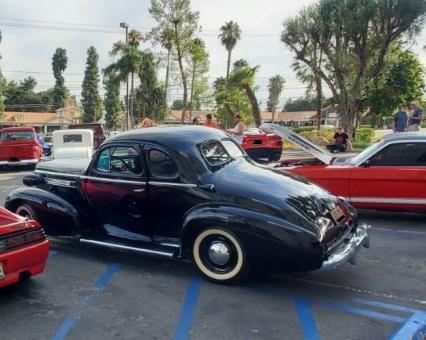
[{"x": 33, "y": 180}]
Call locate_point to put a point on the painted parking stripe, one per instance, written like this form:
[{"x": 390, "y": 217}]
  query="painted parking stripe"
[
  {"x": 390, "y": 306},
  {"x": 414, "y": 328},
  {"x": 306, "y": 319},
  {"x": 188, "y": 309},
  {"x": 52, "y": 253},
  {"x": 73, "y": 317}
]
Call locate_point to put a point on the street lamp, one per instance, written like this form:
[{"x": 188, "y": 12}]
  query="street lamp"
[{"x": 126, "y": 27}]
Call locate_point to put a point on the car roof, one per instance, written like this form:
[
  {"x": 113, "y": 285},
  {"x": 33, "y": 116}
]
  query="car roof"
[
  {"x": 401, "y": 136},
  {"x": 18, "y": 128},
  {"x": 170, "y": 135}
]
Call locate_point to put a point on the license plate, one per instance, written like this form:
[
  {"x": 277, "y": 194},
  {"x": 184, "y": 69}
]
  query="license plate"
[
  {"x": 337, "y": 214},
  {"x": 2, "y": 275}
]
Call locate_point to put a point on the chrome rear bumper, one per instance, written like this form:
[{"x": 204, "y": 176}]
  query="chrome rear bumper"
[
  {"x": 20, "y": 162},
  {"x": 349, "y": 250}
]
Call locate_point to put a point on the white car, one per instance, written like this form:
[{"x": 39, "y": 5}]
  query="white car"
[{"x": 75, "y": 143}]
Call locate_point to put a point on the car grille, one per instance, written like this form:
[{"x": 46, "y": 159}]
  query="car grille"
[{"x": 21, "y": 238}]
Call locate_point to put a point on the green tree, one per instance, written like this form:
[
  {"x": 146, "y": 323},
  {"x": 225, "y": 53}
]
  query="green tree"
[
  {"x": 113, "y": 105},
  {"x": 2, "y": 86},
  {"x": 90, "y": 98},
  {"x": 59, "y": 64},
  {"x": 151, "y": 97},
  {"x": 275, "y": 87},
  {"x": 230, "y": 33},
  {"x": 177, "y": 104},
  {"x": 354, "y": 38},
  {"x": 401, "y": 82},
  {"x": 127, "y": 64},
  {"x": 236, "y": 94},
  {"x": 200, "y": 67},
  {"x": 300, "y": 104},
  {"x": 166, "y": 41},
  {"x": 176, "y": 16}
]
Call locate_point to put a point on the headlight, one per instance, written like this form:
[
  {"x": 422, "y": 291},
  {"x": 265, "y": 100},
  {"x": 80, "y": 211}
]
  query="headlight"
[{"x": 324, "y": 224}]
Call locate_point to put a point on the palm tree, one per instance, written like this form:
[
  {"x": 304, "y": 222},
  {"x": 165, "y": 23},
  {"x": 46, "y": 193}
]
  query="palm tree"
[
  {"x": 128, "y": 62},
  {"x": 167, "y": 42},
  {"x": 230, "y": 33},
  {"x": 276, "y": 84}
]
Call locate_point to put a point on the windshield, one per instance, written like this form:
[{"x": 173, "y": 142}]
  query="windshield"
[
  {"x": 366, "y": 153},
  {"x": 17, "y": 135}
]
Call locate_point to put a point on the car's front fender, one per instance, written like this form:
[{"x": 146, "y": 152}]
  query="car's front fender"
[
  {"x": 57, "y": 216},
  {"x": 265, "y": 237}
]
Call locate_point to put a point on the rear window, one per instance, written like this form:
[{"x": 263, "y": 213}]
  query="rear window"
[
  {"x": 75, "y": 138},
  {"x": 218, "y": 153},
  {"x": 17, "y": 135}
]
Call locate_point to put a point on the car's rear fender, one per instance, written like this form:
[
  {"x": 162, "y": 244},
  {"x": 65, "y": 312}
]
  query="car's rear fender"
[
  {"x": 57, "y": 216},
  {"x": 266, "y": 238}
]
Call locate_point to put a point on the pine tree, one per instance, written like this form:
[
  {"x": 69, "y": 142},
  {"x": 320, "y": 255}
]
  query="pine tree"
[
  {"x": 91, "y": 100},
  {"x": 112, "y": 101},
  {"x": 59, "y": 64}
]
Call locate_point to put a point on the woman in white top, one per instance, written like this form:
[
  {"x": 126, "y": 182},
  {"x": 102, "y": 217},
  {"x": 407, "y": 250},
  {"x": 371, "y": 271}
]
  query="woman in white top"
[{"x": 238, "y": 130}]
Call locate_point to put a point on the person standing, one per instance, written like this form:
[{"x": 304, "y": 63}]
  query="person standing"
[
  {"x": 238, "y": 130},
  {"x": 340, "y": 141},
  {"x": 210, "y": 122},
  {"x": 196, "y": 121},
  {"x": 415, "y": 118},
  {"x": 400, "y": 120}
]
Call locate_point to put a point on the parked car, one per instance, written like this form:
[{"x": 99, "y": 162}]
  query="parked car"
[
  {"x": 191, "y": 192},
  {"x": 46, "y": 147},
  {"x": 19, "y": 146},
  {"x": 77, "y": 143},
  {"x": 98, "y": 132},
  {"x": 23, "y": 247},
  {"x": 390, "y": 174},
  {"x": 258, "y": 144}
]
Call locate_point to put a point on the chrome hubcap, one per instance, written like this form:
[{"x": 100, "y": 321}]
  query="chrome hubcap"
[{"x": 219, "y": 253}]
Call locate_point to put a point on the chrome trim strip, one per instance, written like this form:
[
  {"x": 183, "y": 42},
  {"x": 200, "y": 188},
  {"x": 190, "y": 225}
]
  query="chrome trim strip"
[
  {"x": 112, "y": 180},
  {"x": 123, "y": 247},
  {"x": 21, "y": 161},
  {"x": 416, "y": 201},
  {"x": 171, "y": 245},
  {"x": 171, "y": 184},
  {"x": 60, "y": 183}
]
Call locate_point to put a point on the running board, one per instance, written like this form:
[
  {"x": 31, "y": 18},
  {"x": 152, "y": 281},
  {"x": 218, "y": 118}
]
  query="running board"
[{"x": 128, "y": 248}]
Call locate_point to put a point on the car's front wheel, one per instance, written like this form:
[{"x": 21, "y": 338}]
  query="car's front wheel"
[{"x": 220, "y": 256}]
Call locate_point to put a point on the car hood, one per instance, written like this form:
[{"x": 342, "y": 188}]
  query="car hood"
[
  {"x": 313, "y": 149},
  {"x": 68, "y": 166},
  {"x": 284, "y": 193}
]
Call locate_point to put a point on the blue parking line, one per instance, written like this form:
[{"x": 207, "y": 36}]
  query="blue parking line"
[
  {"x": 188, "y": 309},
  {"x": 74, "y": 315},
  {"x": 360, "y": 311},
  {"x": 398, "y": 308},
  {"x": 414, "y": 328},
  {"x": 52, "y": 253},
  {"x": 306, "y": 319}
]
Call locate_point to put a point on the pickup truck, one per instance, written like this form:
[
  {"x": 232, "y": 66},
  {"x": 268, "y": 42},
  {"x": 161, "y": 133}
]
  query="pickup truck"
[{"x": 19, "y": 146}]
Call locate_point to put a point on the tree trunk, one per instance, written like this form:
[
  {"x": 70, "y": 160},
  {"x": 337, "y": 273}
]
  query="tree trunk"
[
  {"x": 167, "y": 72},
  {"x": 132, "y": 118},
  {"x": 228, "y": 63},
  {"x": 183, "y": 76},
  {"x": 192, "y": 92},
  {"x": 273, "y": 115},
  {"x": 254, "y": 105},
  {"x": 318, "y": 87}
]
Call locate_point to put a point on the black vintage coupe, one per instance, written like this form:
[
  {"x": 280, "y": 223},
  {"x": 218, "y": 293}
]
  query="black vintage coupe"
[{"x": 191, "y": 192}]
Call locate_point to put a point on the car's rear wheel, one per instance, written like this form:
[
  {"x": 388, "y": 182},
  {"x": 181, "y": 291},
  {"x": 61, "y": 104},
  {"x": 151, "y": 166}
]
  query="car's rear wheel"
[
  {"x": 274, "y": 156},
  {"x": 26, "y": 211},
  {"x": 220, "y": 256}
]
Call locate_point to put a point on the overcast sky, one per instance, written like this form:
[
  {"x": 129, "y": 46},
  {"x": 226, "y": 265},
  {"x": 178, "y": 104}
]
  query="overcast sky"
[{"x": 31, "y": 48}]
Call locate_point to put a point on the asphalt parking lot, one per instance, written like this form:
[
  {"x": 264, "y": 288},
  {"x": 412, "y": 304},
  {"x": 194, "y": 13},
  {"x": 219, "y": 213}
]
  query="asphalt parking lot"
[{"x": 92, "y": 293}]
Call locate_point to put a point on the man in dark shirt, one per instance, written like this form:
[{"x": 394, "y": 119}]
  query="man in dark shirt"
[
  {"x": 340, "y": 141},
  {"x": 416, "y": 117},
  {"x": 400, "y": 120}
]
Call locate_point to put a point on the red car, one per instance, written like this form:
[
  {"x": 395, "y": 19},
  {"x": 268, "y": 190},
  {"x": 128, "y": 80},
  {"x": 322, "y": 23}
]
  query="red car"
[
  {"x": 23, "y": 248},
  {"x": 260, "y": 144},
  {"x": 389, "y": 175},
  {"x": 19, "y": 146}
]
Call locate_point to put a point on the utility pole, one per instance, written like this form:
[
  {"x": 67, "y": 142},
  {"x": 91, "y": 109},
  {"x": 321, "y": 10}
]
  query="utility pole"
[{"x": 126, "y": 27}]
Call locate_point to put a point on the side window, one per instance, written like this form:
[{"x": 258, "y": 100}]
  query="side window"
[
  {"x": 401, "y": 154},
  {"x": 121, "y": 159},
  {"x": 161, "y": 165},
  {"x": 215, "y": 153}
]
